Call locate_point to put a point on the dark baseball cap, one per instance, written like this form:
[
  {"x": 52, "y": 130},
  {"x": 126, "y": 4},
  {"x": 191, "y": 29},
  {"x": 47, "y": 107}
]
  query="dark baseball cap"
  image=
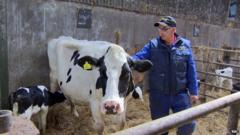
[{"x": 166, "y": 21}]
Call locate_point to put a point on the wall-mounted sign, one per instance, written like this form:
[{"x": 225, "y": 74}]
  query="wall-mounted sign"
[
  {"x": 233, "y": 9},
  {"x": 84, "y": 19}
]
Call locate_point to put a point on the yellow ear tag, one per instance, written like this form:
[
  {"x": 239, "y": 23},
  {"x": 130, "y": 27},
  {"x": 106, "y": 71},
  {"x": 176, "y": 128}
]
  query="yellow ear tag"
[{"x": 87, "y": 66}]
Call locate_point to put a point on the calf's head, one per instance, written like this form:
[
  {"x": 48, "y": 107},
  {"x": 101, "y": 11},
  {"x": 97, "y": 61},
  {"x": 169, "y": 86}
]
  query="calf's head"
[
  {"x": 115, "y": 77},
  {"x": 21, "y": 103}
]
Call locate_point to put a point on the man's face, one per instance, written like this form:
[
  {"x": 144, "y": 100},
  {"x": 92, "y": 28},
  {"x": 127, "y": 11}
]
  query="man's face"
[{"x": 166, "y": 33}]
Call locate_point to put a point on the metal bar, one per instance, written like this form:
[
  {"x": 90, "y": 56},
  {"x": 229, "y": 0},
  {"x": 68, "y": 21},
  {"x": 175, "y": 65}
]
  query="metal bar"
[
  {"x": 234, "y": 78},
  {"x": 209, "y": 96},
  {"x": 217, "y": 49},
  {"x": 219, "y": 87},
  {"x": 218, "y": 63},
  {"x": 234, "y": 59},
  {"x": 164, "y": 124},
  {"x": 232, "y": 90}
]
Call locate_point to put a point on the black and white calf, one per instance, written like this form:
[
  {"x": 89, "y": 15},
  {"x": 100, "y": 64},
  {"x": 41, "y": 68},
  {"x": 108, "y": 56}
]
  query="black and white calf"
[
  {"x": 220, "y": 80},
  {"x": 96, "y": 72},
  {"x": 27, "y": 101}
]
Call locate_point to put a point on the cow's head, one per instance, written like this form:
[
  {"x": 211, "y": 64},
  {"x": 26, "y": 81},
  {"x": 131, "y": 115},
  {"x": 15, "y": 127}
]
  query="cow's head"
[
  {"x": 224, "y": 72},
  {"x": 115, "y": 80},
  {"x": 21, "y": 103}
]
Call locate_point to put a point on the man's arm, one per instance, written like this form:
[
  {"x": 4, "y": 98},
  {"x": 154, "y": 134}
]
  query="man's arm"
[
  {"x": 192, "y": 75},
  {"x": 144, "y": 53},
  {"x": 192, "y": 78}
]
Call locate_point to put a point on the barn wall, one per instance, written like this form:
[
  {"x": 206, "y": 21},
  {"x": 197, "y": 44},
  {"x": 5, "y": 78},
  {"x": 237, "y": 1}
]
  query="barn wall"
[
  {"x": 34, "y": 23},
  {"x": 31, "y": 23}
]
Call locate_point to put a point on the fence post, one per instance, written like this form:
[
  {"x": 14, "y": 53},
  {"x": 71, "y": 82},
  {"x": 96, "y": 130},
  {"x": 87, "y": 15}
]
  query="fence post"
[{"x": 233, "y": 119}]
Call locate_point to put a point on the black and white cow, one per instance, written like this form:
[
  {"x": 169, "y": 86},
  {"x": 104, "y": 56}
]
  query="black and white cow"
[
  {"x": 96, "y": 72},
  {"x": 27, "y": 101}
]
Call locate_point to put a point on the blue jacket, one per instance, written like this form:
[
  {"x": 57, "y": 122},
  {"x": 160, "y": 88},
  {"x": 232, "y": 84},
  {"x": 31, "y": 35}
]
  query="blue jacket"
[{"x": 173, "y": 68}]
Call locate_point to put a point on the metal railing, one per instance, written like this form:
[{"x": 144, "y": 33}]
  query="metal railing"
[{"x": 164, "y": 124}]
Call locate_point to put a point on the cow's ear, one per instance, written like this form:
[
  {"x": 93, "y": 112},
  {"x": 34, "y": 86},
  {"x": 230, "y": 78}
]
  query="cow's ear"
[
  {"x": 88, "y": 62},
  {"x": 140, "y": 65}
]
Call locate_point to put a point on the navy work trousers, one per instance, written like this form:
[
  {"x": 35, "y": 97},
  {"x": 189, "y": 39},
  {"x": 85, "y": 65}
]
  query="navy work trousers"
[{"x": 160, "y": 105}]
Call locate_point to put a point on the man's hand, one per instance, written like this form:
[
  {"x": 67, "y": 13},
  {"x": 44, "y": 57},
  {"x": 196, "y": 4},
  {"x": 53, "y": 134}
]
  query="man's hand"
[{"x": 193, "y": 99}]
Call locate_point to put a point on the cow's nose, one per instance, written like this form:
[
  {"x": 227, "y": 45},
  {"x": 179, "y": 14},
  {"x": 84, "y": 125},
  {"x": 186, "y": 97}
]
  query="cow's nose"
[{"x": 111, "y": 107}]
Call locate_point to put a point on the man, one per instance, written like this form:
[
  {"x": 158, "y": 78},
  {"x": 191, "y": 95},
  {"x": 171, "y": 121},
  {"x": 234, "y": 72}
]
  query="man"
[{"x": 173, "y": 78}]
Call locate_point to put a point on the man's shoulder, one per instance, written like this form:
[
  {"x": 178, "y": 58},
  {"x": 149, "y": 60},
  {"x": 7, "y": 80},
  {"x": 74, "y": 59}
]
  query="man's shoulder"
[
  {"x": 186, "y": 42},
  {"x": 154, "y": 42},
  {"x": 184, "y": 46}
]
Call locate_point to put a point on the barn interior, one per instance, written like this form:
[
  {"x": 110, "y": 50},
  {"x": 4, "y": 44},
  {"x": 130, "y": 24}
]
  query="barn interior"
[{"x": 213, "y": 27}]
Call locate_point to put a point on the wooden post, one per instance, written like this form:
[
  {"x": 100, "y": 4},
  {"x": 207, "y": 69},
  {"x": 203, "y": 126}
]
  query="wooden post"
[{"x": 233, "y": 119}]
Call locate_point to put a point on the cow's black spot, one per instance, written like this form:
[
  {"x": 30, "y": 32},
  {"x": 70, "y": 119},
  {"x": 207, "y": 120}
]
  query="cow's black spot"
[
  {"x": 38, "y": 100},
  {"x": 60, "y": 83},
  {"x": 74, "y": 55},
  {"x": 102, "y": 79},
  {"x": 89, "y": 59},
  {"x": 222, "y": 72},
  {"x": 124, "y": 79},
  {"x": 90, "y": 92},
  {"x": 76, "y": 59},
  {"x": 131, "y": 85},
  {"x": 69, "y": 71},
  {"x": 69, "y": 79},
  {"x": 101, "y": 83}
]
